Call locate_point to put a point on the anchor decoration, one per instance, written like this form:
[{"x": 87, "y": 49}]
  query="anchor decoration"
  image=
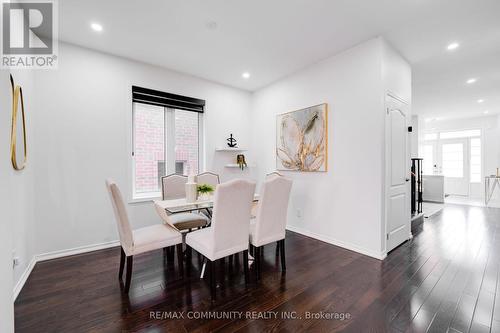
[{"x": 231, "y": 142}]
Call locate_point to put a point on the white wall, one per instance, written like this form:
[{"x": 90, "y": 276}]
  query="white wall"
[
  {"x": 23, "y": 190},
  {"x": 7, "y": 202},
  {"x": 82, "y": 132},
  {"x": 344, "y": 205}
]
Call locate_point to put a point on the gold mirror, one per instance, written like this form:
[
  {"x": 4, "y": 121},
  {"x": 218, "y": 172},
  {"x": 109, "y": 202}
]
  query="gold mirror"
[{"x": 17, "y": 95}]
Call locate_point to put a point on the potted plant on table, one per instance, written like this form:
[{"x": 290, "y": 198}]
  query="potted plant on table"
[{"x": 205, "y": 191}]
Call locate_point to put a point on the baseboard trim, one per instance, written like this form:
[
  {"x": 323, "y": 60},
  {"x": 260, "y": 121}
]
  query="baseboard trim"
[
  {"x": 22, "y": 280},
  {"x": 75, "y": 250},
  {"x": 329, "y": 240},
  {"x": 54, "y": 255}
]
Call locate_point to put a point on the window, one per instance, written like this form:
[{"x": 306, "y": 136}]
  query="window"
[
  {"x": 475, "y": 160},
  {"x": 453, "y": 160},
  {"x": 428, "y": 162},
  {"x": 166, "y": 141}
]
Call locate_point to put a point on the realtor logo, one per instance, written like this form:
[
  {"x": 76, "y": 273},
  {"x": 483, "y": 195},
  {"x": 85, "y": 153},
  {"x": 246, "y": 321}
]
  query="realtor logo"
[{"x": 29, "y": 34}]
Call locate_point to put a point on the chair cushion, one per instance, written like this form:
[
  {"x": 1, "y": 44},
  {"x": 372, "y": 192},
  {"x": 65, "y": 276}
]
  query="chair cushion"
[
  {"x": 184, "y": 221},
  {"x": 154, "y": 237}
]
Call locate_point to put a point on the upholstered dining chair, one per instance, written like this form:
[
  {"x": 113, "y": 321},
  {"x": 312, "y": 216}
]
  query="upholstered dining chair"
[
  {"x": 228, "y": 233},
  {"x": 137, "y": 241},
  {"x": 255, "y": 204},
  {"x": 209, "y": 178},
  {"x": 270, "y": 222},
  {"x": 173, "y": 187}
]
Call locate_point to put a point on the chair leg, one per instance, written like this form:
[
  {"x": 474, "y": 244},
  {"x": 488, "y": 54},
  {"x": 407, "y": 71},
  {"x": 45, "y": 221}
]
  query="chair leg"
[
  {"x": 130, "y": 262},
  {"x": 245, "y": 265},
  {"x": 257, "y": 260},
  {"x": 277, "y": 248},
  {"x": 180, "y": 259},
  {"x": 122, "y": 263},
  {"x": 282, "y": 253},
  {"x": 189, "y": 255},
  {"x": 213, "y": 282}
]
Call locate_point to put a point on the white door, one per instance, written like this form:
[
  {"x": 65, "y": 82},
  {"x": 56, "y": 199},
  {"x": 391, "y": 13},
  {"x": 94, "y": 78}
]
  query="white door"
[
  {"x": 453, "y": 166},
  {"x": 397, "y": 173}
]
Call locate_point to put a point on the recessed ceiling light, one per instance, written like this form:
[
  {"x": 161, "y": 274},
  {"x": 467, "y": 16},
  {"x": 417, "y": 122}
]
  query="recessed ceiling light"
[
  {"x": 439, "y": 118},
  {"x": 211, "y": 25},
  {"x": 480, "y": 101},
  {"x": 96, "y": 27},
  {"x": 245, "y": 75},
  {"x": 486, "y": 112},
  {"x": 471, "y": 80},
  {"x": 453, "y": 46}
]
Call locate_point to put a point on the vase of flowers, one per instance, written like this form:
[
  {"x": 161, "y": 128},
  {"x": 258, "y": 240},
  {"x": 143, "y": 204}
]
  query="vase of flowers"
[{"x": 205, "y": 191}]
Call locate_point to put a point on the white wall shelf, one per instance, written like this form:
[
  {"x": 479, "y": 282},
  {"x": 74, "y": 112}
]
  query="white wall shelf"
[
  {"x": 230, "y": 149},
  {"x": 237, "y": 166}
]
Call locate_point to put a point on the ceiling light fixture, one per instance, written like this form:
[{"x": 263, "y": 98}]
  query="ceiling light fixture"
[
  {"x": 245, "y": 75},
  {"x": 486, "y": 112},
  {"x": 480, "y": 101},
  {"x": 96, "y": 27},
  {"x": 471, "y": 80},
  {"x": 211, "y": 25},
  {"x": 453, "y": 46}
]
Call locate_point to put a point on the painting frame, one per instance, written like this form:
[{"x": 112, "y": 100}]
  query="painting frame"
[{"x": 308, "y": 137}]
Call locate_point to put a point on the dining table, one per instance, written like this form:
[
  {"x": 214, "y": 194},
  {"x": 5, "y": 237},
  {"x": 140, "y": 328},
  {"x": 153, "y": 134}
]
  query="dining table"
[{"x": 182, "y": 205}]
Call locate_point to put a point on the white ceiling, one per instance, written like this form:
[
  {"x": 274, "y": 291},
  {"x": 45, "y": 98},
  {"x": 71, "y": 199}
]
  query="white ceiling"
[{"x": 274, "y": 38}]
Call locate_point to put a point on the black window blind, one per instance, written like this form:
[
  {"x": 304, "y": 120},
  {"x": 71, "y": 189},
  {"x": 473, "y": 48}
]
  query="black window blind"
[{"x": 160, "y": 98}]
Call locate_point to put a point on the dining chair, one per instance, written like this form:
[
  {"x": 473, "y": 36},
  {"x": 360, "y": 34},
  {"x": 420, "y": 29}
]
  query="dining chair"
[
  {"x": 274, "y": 173},
  {"x": 228, "y": 233},
  {"x": 269, "y": 224},
  {"x": 209, "y": 178},
  {"x": 142, "y": 240},
  {"x": 173, "y": 187}
]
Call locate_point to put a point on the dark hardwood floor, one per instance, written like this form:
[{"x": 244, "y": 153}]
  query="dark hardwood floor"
[{"x": 445, "y": 279}]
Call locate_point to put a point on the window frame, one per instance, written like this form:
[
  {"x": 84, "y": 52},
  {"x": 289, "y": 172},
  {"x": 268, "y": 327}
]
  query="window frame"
[{"x": 169, "y": 124}]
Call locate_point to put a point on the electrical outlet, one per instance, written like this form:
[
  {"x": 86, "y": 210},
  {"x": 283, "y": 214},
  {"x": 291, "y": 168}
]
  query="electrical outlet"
[
  {"x": 299, "y": 213},
  {"x": 15, "y": 261}
]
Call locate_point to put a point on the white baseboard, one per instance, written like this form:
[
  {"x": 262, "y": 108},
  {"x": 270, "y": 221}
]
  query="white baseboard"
[
  {"x": 75, "y": 250},
  {"x": 54, "y": 255},
  {"x": 22, "y": 280},
  {"x": 329, "y": 240}
]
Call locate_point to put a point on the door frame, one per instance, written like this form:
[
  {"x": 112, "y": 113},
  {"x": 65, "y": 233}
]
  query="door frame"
[{"x": 387, "y": 177}]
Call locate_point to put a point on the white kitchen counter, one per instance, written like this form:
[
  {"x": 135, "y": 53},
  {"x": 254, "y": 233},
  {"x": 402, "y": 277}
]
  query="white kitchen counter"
[{"x": 433, "y": 188}]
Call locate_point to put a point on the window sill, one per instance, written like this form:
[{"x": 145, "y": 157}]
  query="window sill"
[{"x": 144, "y": 199}]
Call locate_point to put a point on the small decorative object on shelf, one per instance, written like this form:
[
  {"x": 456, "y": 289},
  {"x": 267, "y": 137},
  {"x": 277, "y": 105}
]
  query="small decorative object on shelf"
[
  {"x": 204, "y": 191},
  {"x": 240, "y": 160},
  {"x": 231, "y": 142}
]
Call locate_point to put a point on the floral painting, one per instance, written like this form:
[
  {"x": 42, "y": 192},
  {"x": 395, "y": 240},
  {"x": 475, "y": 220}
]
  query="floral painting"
[{"x": 302, "y": 139}]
